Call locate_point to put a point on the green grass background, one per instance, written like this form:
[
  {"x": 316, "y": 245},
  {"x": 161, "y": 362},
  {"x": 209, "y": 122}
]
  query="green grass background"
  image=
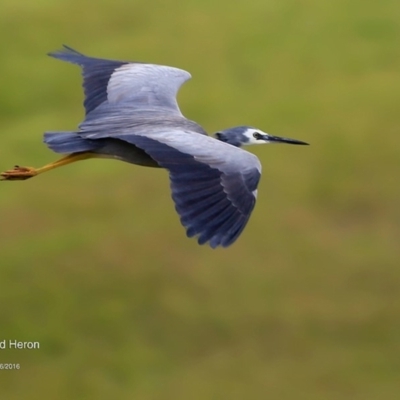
[{"x": 95, "y": 265}]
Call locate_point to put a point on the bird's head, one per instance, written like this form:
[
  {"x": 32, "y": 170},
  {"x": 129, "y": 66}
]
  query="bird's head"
[{"x": 245, "y": 135}]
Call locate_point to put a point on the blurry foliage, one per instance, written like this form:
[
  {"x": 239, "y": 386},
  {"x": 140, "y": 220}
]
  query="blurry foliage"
[{"x": 95, "y": 265}]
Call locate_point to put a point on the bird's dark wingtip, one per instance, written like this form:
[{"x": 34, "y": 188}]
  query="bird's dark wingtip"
[{"x": 64, "y": 51}]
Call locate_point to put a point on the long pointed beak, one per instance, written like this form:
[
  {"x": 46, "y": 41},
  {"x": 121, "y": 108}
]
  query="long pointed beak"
[{"x": 277, "y": 139}]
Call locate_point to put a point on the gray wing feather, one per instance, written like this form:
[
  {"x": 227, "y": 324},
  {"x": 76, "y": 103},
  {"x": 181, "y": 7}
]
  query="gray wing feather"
[
  {"x": 213, "y": 184},
  {"x": 125, "y": 118},
  {"x": 147, "y": 85},
  {"x": 111, "y": 81}
]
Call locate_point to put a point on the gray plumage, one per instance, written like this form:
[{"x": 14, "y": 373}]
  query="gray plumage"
[{"x": 132, "y": 115}]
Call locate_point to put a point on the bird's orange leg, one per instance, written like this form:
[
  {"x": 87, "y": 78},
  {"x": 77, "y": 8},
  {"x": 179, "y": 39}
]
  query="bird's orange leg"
[{"x": 22, "y": 173}]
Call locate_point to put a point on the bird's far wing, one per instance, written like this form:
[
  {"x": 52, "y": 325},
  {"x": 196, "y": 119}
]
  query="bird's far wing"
[
  {"x": 214, "y": 184},
  {"x": 120, "y": 81}
]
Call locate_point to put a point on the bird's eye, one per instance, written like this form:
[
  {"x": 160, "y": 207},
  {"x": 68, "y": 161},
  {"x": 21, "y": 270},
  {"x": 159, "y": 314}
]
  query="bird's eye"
[{"x": 257, "y": 135}]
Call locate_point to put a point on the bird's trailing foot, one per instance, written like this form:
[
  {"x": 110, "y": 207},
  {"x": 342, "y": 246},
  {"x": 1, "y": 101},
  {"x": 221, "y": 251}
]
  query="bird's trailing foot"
[
  {"x": 18, "y": 174},
  {"x": 22, "y": 173}
]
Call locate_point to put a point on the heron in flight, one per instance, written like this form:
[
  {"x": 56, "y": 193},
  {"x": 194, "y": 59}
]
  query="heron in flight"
[{"x": 132, "y": 115}]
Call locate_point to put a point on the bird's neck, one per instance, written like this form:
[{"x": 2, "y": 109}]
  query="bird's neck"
[{"x": 226, "y": 139}]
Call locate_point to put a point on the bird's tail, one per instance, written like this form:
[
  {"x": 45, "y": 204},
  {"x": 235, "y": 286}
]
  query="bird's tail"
[{"x": 69, "y": 142}]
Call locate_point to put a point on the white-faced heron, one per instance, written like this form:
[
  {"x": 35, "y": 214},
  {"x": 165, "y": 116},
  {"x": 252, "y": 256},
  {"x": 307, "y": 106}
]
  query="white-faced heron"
[{"x": 132, "y": 115}]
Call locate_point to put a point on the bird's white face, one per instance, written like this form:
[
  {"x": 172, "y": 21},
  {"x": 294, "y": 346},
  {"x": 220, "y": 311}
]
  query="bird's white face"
[{"x": 256, "y": 136}]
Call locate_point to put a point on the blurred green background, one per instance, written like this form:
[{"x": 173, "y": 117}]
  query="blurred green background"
[{"x": 95, "y": 265}]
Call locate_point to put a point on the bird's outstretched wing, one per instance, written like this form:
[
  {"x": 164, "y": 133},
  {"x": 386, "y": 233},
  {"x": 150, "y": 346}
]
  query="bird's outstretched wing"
[
  {"x": 213, "y": 184},
  {"x": 143, "y": 85}
]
